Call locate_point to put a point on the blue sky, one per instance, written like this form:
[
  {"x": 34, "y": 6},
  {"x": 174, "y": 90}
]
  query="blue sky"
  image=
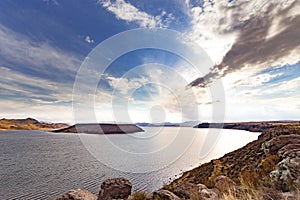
[{"x": 44, "y": 42}]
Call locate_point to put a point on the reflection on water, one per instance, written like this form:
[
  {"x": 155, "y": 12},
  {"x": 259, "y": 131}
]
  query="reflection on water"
[{"x": 41, "y": 165}]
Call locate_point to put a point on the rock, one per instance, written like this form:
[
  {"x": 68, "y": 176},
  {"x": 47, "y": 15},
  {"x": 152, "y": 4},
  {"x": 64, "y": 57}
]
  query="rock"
[
  {"x": 287, "y": 174},
  {"x": 186, "y": 190},
  {"x": 225, "y": 184},
  {"x": 208, "y": 194},
  {"x": 276, "y": 143},
  {"x": 149, "y": 196},
  {"x": 117, "y": 188},
  {"x": 289, "y": 196},
  {"x": 164, "y": 195},
  {"x": 77, "y": 195}
]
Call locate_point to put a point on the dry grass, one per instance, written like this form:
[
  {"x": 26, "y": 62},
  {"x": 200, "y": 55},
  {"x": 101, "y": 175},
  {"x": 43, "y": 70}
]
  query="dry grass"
[{"x": 138, "y": 196}]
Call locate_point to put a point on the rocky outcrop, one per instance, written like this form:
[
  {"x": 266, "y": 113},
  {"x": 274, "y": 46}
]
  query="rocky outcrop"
[
  {"x": 270, "y": 163},
  {"x": 77, "y": 195},
  {"x": 101, "y": 129},
  {"x": 286, "y": 175},
  {"x": 117, "y": 188}
]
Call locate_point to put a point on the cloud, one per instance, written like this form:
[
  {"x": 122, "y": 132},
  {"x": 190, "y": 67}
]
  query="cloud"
[
  {"x": 89, "y": 40},
  {"x": 40, "y": 57},
  {"x": 265, "y": 32},
  {"x": 16, "y": 85},
  {"x": 54, "y": 2},
  {"x": 129, "y": 13}
]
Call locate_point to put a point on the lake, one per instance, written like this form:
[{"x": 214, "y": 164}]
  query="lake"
[{"x": 42, "y": 165}]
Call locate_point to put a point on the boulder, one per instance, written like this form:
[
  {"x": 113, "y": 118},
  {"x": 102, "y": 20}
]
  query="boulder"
[
  {"x": 208, "y": 194},
  {"x": 186, "y": 190},
  {"x": 77, "y": 195},
  {"x": 225, "y": 184},
  {"x": 164, "y": 195},
  {"x": 117, "y": 188}
]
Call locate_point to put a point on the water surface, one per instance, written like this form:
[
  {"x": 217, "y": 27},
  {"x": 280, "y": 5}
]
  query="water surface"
[{"x": 41, "y": 165}]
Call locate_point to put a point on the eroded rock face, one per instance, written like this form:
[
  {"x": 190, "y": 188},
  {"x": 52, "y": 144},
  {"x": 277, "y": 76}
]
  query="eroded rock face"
[
  {"x": 77, "y": 195},
  {"x": 164, "y": 195},
  {"x": 117, "y": 188},
  {"x": 286, "y": 174}
]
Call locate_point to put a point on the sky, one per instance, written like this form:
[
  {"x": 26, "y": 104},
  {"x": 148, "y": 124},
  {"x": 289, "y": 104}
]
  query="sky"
[{"x": 253, "y": 46}]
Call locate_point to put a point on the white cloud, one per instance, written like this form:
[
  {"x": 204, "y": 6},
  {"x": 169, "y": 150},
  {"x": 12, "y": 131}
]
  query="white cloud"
[
  {"x": 89, "y": 40},
  {"x": 18, "y": 48},
  {"x": 129, "y": 13}
]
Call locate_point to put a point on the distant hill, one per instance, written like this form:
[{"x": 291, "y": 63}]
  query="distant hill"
[
  {"x": 248, "y": 126},
  {"x": 186, "y": 124},
  {"x": 101, "y": 128},
  {"x": 28, "y": 124}
]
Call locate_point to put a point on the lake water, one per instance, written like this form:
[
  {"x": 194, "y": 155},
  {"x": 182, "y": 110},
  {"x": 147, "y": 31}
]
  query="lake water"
[{"x": 41, "y": 165}]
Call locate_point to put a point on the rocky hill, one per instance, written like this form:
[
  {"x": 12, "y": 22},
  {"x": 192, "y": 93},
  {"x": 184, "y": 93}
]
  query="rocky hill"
[
  {"x": 271, "y": 163},
  {"x": 28, "y": 124}
]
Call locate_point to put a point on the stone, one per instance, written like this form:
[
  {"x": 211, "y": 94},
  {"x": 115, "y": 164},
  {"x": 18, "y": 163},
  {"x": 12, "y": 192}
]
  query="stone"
[
  {"x": 287, "y": 174},
  {"x": 77, "y": 195},
  {"x": 164, "y": 195},
  {"x": 276, "y": 143},
  {"x": 186, "y": 190},
  {"x": 209, "y": 194},
  {"x": 225, "y": 184},
  {"x": 117, "y": 188}
]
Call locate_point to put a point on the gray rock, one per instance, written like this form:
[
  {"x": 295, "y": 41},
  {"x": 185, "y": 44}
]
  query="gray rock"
[
  {"x": 77, "y": 195},
  {"x": 117, "y": 188}
]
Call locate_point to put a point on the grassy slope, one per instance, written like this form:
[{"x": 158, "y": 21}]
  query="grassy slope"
[{"x": 248, "y": 165}]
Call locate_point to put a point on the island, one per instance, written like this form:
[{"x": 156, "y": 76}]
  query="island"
[
  {"x": 28, "y": 124},
  {"x": 101, "y": 128},
  {"x": 248, "y": 126}
]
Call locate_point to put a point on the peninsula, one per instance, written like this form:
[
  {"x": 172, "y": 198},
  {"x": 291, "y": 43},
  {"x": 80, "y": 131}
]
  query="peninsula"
[{"x": 248, "y": 126}]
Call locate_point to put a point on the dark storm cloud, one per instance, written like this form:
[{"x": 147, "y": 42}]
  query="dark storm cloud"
[{"x": 254, "y": 47}]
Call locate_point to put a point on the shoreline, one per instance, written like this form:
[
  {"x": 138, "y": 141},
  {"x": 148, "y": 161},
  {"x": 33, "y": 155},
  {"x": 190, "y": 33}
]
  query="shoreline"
[{"x": 254, "y": 170}]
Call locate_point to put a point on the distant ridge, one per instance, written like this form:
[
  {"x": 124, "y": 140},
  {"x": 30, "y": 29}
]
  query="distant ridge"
[
  {"x": 248, "y": 126},
  {"x": 28, "y": 124},
  {"x": 183, "y": 124}
]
